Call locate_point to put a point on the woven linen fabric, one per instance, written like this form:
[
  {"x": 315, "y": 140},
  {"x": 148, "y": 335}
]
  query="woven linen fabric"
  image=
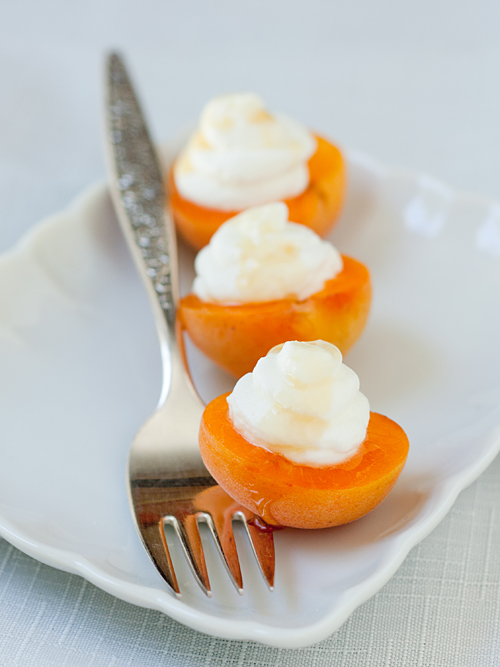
[{"x": 441, "y": 609}]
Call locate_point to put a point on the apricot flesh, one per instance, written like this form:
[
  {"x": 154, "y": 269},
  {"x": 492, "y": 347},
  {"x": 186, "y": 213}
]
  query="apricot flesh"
[
  {"x": 285, "y": 493},
  {"x": 317, "y": 207},
  {"x": 237, "y": 336}
]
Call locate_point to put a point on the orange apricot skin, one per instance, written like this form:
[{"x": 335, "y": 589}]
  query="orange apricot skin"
[
  {"x": 236, "y": 337},
  {"x": 317, "y": 207},
  {"x": 284, "y": 493}
]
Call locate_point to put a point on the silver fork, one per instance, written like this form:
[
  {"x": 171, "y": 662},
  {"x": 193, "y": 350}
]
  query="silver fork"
[{"x": 168, "y": 482}]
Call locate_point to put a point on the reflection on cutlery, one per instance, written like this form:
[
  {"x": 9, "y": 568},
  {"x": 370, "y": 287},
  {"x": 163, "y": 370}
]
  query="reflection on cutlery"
[{"x": 168, "y": 482}]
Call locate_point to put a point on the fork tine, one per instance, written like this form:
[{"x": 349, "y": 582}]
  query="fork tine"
[
  {"x": 262, "y": 541},
  {"x": 216, "y": 508},
  {"x": 154, "y": 538},
  {"x": 189, "y": 535},
  {"x": 222, "y": 531}
]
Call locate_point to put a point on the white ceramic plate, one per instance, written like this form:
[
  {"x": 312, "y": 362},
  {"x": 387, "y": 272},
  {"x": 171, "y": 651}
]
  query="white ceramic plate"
[{"x": 79, "y": 372}]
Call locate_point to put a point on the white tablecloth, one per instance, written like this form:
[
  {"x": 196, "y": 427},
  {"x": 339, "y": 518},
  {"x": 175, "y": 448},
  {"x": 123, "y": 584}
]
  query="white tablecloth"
[{"x": 414, "y": 85}]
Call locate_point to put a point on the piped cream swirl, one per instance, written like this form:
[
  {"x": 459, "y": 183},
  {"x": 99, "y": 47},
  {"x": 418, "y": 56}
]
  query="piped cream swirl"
[
  {"x": 303, "y": 402},
  {"x": 260, "y": 256},
  {"x": 243, "y": 156}
]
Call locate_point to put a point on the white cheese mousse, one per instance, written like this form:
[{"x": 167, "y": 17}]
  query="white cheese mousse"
[
  {"x": 301, "y": 401},
  {"x": 242, "y": 156},
  {"x": 260, "y": 256}
]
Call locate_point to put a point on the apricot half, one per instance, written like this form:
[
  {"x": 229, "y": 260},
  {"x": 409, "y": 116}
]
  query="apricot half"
[
  {"x": 284, "y": 493},
  {"x": 317, "y": 207},
  {"x": 236, "y": 337}
]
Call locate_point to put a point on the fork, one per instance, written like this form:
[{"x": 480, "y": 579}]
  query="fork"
[{"x": 168, "y": 483}]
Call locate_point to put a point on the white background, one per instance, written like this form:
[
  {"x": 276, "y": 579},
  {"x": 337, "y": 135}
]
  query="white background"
[{"x": 413, "y": 84}]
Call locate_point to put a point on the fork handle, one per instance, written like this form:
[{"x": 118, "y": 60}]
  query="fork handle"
[{"x": 138, "y": 191}]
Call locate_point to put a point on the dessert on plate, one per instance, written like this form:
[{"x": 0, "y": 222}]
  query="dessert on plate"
[
  {"x": 242, "y": 156},
  {"x": 296, "y": 443},
  {"x": 263, "y": 280}
]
